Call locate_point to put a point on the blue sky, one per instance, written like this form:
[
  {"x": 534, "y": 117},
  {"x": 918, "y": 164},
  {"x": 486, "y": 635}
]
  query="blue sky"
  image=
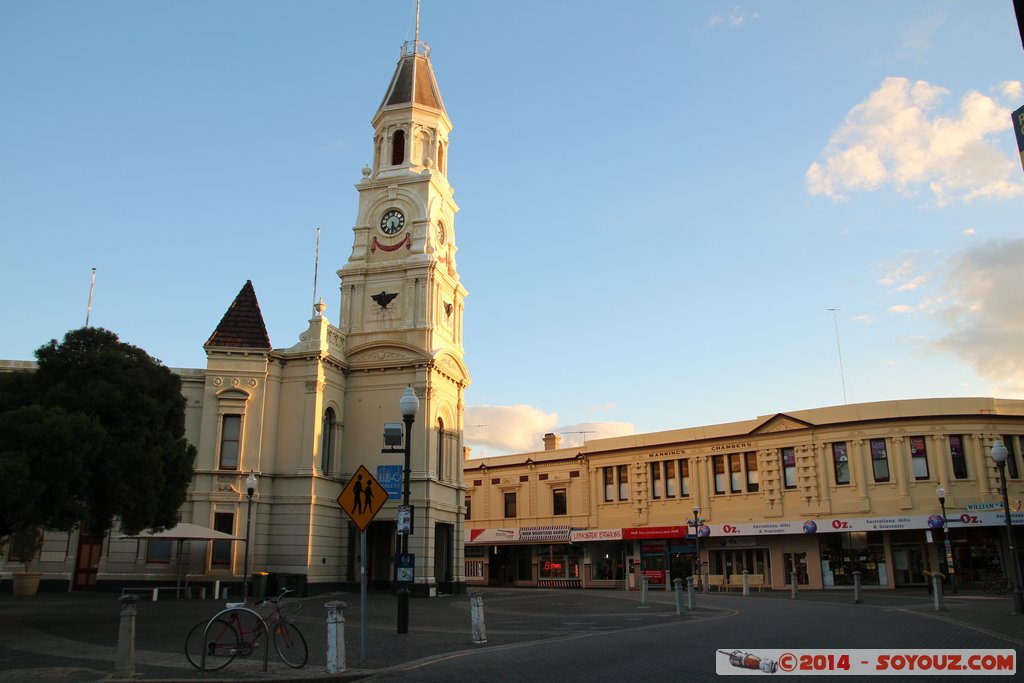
[{"x": 660, "y": 201}]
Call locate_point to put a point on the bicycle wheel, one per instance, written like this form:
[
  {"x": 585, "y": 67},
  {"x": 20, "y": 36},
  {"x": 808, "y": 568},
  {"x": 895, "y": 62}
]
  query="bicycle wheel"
[
  {"x": 290, "y": 644},
  {"x": 221, "y": 644},
  {"x": 1003, "y": 586}
]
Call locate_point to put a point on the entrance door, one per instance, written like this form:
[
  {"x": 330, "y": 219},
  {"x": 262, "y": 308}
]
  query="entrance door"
[
  {"x": 87, "y": 565},
  {"x": 909, "y": 565}
]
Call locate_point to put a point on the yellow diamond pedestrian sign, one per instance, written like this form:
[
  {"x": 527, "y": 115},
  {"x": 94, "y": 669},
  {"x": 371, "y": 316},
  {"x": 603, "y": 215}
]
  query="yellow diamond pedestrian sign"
[{"x": 362, "y": 498}]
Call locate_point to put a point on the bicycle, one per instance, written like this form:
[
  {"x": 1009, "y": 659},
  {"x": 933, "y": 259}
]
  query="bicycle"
[
  {"x": 996, "y": 584},
  {"x": 236, "y": 632}
]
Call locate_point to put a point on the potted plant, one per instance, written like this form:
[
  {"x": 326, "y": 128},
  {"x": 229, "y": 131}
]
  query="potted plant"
[{"x": 25, "y": 545}]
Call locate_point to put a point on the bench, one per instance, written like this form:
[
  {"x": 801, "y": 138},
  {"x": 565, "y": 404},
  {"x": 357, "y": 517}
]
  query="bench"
[
  {"x": 716, "y": 581},
  {"x": 753, "y": 580},
  {"x": 155, "y": 590}
]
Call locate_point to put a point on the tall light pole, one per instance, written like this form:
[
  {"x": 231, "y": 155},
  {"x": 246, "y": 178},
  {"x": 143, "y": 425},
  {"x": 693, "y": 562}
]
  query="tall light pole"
[
  {"x": 408, "y": 405},
  {"x": 941, "y": 493},
  {"x": 999, "y": 454},
  {"x": 250, "y": 489},
  {"x": 696, "y": 522}
]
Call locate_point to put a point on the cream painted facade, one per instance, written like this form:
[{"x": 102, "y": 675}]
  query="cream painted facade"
[
  {"x": 306, "y": 416},
  {"x": 822, "y": 492}
]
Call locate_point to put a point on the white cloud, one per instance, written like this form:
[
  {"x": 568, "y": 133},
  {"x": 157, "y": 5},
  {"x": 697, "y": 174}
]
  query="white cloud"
[
  {"x": 895, "y": 138},
  {"x": 1011, "y": 90},
  {"x": 864, "y": 318},
  {"x": 900, "y": 308},
  {"x": 498, "y": 430},
  {"x": 506, "y": 429},
  {"x": 896, "y": 273},
  {"x": 912, "y": 284},
  {"x": 970, "y": 232},
  {"x": 734, "y": 18},
  {"x": 982, "y": 312}
]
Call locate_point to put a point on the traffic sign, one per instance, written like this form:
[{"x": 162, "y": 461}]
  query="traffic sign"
[{"x": 362, "y": 498}]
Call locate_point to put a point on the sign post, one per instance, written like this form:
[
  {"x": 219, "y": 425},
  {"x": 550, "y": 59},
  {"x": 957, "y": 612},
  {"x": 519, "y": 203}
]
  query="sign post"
[{"x": 361, "y": 499}]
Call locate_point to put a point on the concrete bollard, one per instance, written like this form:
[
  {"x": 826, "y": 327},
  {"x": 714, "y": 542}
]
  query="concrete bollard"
[
  {"x": 691, "y": 594},
  {"x": 857, "y": 598},
  {"x": 706, "y": 582},
  {"x": 476, "y": 612},
  {"x": 336, "y": 636},
  {"x": 124, "y": 659},
  {"x": 678, "y": 585},
  {"x": 668, "y": 580},
  {"x": 643, "y": 590},
  {"x": 940, "y": 604},
  {"x": 746, "y": 583},
  {"x": 793, "y": 589}
]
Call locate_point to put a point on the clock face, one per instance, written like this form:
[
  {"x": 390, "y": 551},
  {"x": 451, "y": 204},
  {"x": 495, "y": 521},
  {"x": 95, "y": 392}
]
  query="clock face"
[{"x": 392, "y": 221}]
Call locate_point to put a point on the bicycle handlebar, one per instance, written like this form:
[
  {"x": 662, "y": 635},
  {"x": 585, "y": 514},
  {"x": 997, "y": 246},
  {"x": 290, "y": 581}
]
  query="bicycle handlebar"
[{"x": 284, "y": 591}]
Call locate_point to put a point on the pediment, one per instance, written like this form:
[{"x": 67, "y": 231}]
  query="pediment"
[
  {"x": 452, "y": 366},
  {"x": 780, "y": 422},
  {"x": 385, "y": 355}
]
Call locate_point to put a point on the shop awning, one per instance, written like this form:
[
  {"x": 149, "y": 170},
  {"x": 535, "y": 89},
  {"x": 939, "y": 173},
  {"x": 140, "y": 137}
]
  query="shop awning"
[{"x": 526, "y": 534}]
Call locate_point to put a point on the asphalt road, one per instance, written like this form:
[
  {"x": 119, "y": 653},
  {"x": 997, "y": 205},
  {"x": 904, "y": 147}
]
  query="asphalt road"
[{"x": 532, "y": 634}]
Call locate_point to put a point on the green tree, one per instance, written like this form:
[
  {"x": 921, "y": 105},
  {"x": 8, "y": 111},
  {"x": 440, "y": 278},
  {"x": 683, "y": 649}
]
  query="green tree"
[{"x": 113, "y": 420}]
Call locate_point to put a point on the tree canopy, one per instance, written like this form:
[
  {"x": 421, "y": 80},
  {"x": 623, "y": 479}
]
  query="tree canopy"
[{"x": 96, "y": 433}]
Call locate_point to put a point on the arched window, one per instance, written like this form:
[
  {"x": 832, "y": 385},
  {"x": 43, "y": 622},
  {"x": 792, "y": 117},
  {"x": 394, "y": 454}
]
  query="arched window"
[
  {"x": 398, "y": 148},
  {"x": 440, "y": 446},
  {"x": 327, "y": 442}
]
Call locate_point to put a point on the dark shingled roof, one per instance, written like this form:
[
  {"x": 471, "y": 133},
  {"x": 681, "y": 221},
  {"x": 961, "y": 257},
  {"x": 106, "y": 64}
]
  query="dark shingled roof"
[
  {"x": 414, "y": 83},
  {"x": 242, "y": 327}
]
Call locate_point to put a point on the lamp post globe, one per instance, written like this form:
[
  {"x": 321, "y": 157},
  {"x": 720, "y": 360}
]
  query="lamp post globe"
[{"x": 999, "y": 455}]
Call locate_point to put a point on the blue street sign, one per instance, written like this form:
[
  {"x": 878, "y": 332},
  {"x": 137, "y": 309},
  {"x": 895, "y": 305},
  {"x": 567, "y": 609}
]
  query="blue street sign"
[
  {"x": 390, "y": 478},
  {"x": 1018, "y": 129}
]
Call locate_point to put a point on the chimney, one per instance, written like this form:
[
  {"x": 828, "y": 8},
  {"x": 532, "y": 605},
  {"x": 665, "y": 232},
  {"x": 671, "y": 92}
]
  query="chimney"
[{"x": 551, "y": 441}]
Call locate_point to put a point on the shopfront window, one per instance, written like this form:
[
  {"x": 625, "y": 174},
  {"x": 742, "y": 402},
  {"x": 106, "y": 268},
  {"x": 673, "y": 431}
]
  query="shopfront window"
[
  {"x": 1012, "y": 470},
  {"x": 561, "y": 561},
  {"x": 735, "y": 473},
  {"x": 606, "y": 561},
  {"x": 753, "y": 481},
  {"x": 842, "y": 554},
  {"x": 789, "y": 467},
  {"x": 656, "y": 488},
  {"x": 879, "y": 460},
  {"x": 957, "y": 457},
  {"x": 670, "y": 479},
  {"x": 840, "y": 463},
  {"x": 919, "y": 457}
]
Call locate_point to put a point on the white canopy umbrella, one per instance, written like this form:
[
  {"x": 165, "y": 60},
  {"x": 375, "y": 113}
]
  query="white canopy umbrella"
[{"x": 181, "y": 532}]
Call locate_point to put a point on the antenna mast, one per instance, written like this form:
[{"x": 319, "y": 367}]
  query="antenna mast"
[
  {"x": 417, "y": 21},
  {"x": 88, "y": 310},
  {"x": 842, "y": 374},
  {"x": 316, "y": 265}
]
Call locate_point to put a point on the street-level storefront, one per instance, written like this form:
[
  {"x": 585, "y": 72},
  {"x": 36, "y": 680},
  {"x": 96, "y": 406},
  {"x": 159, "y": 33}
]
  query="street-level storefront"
[
  {"x": 558, "y": 557},
  {"x": 888, "y": 552}
]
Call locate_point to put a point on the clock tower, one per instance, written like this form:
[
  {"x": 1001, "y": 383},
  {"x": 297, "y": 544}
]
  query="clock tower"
[{"x": 401, "y": 311}]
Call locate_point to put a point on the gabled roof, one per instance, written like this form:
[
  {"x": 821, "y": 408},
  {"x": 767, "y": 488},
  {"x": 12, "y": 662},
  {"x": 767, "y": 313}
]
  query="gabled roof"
[
  {"x": 414, "y": 82},
  {"x": 779, "y": 422},
  {"x": 242, "y": 327}
]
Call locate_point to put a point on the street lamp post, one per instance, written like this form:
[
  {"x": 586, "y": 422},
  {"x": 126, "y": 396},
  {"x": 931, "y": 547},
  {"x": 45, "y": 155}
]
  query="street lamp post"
[
  {"x": 941, "y": 493},
  {"x": 250, "y": 489},
  {"x": 696, "y": 522},
  {"x": 999, "y": 454},
  {"x": 408, "y": 405}
]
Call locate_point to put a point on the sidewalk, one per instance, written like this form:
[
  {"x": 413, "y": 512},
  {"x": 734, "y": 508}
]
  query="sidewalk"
[{"x": 73, "y": 636}]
